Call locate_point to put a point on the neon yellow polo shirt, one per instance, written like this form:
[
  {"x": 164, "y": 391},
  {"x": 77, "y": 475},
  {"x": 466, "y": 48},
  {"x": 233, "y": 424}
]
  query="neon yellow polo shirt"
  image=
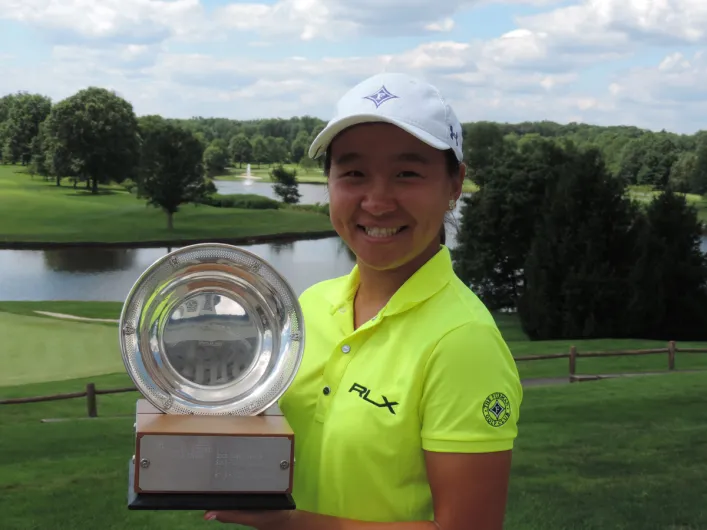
[{"x": 429, "y": 372}]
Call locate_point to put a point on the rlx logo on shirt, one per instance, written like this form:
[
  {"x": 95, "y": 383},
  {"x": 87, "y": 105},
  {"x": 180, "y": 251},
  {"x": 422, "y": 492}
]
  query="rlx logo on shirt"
[{"x": 364, "y": 392}]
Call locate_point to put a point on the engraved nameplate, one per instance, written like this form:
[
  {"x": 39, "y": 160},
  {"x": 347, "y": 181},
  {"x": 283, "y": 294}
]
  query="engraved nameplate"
[{"x": 192, "y": 463}]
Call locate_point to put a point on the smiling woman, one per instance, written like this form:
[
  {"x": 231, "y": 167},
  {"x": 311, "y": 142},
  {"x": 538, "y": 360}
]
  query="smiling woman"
[{"x": 406, "y": 405}]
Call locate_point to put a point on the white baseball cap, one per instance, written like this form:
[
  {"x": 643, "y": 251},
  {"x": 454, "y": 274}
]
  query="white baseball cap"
[{"x": 409, "y": 103}]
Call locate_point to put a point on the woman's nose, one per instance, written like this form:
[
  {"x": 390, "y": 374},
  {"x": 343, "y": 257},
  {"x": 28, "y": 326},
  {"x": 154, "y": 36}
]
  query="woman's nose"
[{"x": 379, "y": 198}]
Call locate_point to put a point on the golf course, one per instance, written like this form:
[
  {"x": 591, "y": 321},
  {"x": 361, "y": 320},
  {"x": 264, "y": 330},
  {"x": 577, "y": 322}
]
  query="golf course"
[
  {"x": 611, "y": 454},
  {"x": 34, "y": 210},
  {"x": 617, "y": 453}
]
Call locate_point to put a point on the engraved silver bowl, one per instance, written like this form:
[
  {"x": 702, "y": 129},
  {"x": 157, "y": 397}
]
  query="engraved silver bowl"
[{"x": 211, "y": 329}]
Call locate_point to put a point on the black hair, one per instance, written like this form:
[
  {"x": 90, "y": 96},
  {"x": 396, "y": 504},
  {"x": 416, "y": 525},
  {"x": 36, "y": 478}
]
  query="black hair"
[{"x": 453, "y": 166}]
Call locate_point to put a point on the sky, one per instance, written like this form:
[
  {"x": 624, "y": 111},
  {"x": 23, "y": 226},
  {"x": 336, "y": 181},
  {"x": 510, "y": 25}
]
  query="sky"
[{"x": 604, "y": 62}]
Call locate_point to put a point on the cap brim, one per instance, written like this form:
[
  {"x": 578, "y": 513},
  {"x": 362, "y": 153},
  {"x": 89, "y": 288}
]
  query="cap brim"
[{"x": 324, "y": 138}]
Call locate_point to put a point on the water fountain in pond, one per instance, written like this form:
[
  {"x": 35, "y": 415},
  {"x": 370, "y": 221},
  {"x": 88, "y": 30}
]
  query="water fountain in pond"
[{"x": 248, "y": 176}]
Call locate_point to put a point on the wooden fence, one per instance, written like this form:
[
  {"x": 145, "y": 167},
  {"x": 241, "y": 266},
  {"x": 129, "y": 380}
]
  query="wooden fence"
[
  {"x": 573, "y": 355},
  {"x": 91, "y": 392}
]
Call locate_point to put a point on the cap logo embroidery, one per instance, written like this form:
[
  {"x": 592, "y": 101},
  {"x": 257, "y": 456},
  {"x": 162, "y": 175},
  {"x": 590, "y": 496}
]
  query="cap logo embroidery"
[
  {"x": 454, "y": 135},
  {"x": 381, "y": 96}
]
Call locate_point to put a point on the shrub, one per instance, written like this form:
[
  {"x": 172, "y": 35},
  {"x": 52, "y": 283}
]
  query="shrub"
[{"x": 248, "y": 201}]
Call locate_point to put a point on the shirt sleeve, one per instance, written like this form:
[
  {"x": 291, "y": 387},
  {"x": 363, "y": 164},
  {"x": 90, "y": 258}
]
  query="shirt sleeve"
[{"x": 471, "y": 393}]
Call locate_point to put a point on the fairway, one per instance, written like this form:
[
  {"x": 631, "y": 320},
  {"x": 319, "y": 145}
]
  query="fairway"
[
  {"x": 41, "y": 348},
  {"x": 609, "y": 455},
  {"x": 616, "y": 454},
  {"x": 37, "y": 349},
  {"x": 37, "y": 211}
]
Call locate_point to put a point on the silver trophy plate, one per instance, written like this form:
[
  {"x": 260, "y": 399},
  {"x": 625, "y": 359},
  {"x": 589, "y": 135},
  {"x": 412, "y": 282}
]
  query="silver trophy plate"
[{"x": 211, "y": 329}]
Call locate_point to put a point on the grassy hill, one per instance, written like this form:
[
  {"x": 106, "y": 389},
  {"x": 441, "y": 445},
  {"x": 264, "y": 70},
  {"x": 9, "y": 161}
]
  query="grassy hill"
[
  {"x": 41, "y": 349},
  {"x": 618, "y": 454},
  {"x": 615, "y": 454},
  {"x": 36, "y": 210}
]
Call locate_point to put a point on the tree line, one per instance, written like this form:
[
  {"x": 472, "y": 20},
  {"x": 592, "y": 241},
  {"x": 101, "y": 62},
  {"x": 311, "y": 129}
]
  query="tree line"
[
  {"x": 551, "y": 232},
  {"x": 94, "y": 137},
  {"x": 635, "y": 155}
]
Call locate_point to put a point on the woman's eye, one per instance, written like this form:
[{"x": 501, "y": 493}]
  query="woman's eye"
[{"x": 408, "y": 174}]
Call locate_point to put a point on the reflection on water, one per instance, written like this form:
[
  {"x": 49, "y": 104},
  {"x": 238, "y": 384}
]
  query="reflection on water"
[
  {"x": 108, "y": 274},
  {"x": 87, "y": 260},
  {"x": 65, "y": 275},
  {"x": 309, "y": 193}
]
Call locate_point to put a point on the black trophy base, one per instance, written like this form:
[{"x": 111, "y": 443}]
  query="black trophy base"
[{"x": 201, "y": 501}]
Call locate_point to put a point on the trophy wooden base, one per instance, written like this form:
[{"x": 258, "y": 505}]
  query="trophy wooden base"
[
  {"x": 190, "y": 462},
  {"x": 205, "y": 501}
]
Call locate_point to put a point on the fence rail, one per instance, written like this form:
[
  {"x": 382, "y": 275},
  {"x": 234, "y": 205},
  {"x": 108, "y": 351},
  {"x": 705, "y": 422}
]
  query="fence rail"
[
  {"x": 91, "y": 391},
  {"x": 90, "y": 394}
]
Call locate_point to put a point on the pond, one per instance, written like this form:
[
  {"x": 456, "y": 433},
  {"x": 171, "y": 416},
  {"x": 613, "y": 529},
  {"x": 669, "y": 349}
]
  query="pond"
[
  {"x": 310, "y": 193},
  {"x": 108, "y": 273}
]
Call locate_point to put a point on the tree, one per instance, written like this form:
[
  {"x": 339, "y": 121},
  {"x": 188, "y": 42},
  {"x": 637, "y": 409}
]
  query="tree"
[
  {"x": 216, "y": 157},
  {"x": 668, "y": 297},
  {"x": 24, "y": 116},
  {"x": 285, "y": 184},
  {"x": 94, "y": 136},
  {"x": 698, "y": 182},
  {"x": 240, "y": 149},
  {"x": 682, "y": 172},
  {"x": 300, "y": 145},
  {"x": 578, "y": 267},
  {"x": 171, "y": 167},
  {"x": 38, "y": 153},
  {"x": 259, "y": 150},
  {"x": 484, "y": 143},
  {"x": 498, "y": 221},
  {"x": 278, "y": 151}
]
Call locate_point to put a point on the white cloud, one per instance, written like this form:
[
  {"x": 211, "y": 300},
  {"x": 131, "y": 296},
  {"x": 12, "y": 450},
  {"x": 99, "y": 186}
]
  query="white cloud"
[
  {"x": 533, "y": 72},
  {"x": 612, "y": 23},
  {"x": 338, "y": 19},
  {"x": 444, "y": 25},
  {"x": 677, "y": 81},
  {"x": 125, "y": 20}
]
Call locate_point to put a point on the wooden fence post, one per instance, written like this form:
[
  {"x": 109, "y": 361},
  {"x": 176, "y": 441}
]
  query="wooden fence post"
[
  {"x": 573, "y": 363},
  {"x": 91, "y": 400},
  {"x": 671, "y": 355}
]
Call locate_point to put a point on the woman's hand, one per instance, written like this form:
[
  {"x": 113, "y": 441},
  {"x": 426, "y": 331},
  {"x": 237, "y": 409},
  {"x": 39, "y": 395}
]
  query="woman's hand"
[{"x": 262, "y": 520}]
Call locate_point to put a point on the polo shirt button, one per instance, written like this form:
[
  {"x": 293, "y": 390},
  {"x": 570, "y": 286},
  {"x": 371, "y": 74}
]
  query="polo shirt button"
[
  {"x": 326, "y": 390},
  {"x": 346, "y": 348}
]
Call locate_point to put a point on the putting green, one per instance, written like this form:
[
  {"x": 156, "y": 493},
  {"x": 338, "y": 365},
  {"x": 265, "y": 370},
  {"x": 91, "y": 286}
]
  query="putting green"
[{"x": 36, "y": 349}]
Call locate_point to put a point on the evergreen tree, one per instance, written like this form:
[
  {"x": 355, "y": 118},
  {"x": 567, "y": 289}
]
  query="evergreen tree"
[
  {"x": 578, "y": 267},
  {"x": 669, "y": 280},
  {"x": 498, "y": 221},
  {"x": 285, "y": 184}
]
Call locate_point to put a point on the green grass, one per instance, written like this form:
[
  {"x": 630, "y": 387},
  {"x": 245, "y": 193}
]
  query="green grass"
[
  {"x": 77, "y": 308},
  {"x": 47, "y": 349},
  {"x": 42, "y": 348},
  {"x": 645, "y": 194},
  {"x": 521, "y": 346},
  {"x": 38, "y": 211},
  {"x": 619, "y": 454}
]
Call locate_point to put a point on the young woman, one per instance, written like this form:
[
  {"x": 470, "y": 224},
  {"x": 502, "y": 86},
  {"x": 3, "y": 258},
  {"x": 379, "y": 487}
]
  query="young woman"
[{"x": 406, "y": 405}]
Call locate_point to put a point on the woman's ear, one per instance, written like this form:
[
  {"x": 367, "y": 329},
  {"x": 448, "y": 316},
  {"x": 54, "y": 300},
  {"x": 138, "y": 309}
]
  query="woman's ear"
[{"x": 459, "y": 181}]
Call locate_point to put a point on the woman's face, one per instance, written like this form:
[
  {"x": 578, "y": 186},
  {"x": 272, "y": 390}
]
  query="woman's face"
[{"x": 388, "y": 194}]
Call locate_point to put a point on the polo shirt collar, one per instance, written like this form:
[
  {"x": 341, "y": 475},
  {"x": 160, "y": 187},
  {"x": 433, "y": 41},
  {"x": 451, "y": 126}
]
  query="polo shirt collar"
[{"x": 423, "y": 284}]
